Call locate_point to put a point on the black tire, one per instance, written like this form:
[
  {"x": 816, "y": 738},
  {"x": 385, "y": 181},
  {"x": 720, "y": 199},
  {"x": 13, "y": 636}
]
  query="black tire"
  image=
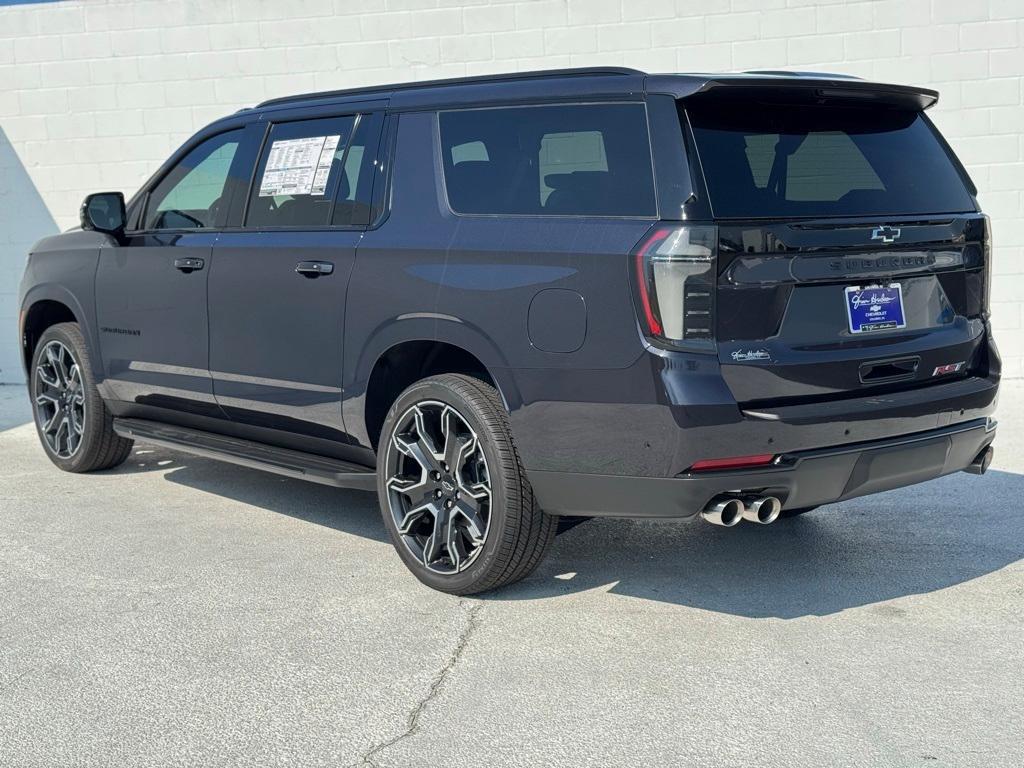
[
  {"x": 518, "y": 534},
  {"x": 98, "y": 447},
  {"x": 795, "y": 512}
]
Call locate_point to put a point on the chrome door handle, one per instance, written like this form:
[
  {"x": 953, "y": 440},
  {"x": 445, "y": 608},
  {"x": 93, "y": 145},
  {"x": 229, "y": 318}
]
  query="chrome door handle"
[
  {"x": 314, "y": 268},
  {"x": 188, "y": 265}
]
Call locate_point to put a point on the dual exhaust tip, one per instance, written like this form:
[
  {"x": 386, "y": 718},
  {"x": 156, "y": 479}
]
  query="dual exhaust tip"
[{"x": 730, "y": 511}]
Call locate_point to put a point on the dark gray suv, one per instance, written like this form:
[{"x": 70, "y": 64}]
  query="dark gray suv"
[{"x": 499, "y": 301}]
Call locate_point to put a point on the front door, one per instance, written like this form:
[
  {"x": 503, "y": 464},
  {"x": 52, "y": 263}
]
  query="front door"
[
  {"x": 278, "y": 283},
  {"x": 151, "y": 289}
]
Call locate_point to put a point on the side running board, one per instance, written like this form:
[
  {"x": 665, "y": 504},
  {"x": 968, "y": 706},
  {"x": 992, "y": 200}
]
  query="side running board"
[{"x": 281, "y": 461}]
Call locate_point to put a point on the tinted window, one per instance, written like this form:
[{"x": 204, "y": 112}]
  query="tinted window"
[
  {"x": 786, "y": 160},
  {"x": 576, "y": 160},
  {"x": 353, "y": 202},
  {"x": 300, "y": 172},
  {"x": 194, "y": 194}
]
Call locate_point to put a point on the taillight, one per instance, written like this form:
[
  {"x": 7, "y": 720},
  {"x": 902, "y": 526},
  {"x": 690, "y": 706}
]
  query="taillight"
[
  {"x": 675, "y": 270},
  {"x": 987, "y": 250}
]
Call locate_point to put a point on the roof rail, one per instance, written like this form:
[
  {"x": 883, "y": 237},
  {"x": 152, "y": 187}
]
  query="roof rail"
[
  {"x": 574, "y": 72},
  {"x": 792, "y": 73}
]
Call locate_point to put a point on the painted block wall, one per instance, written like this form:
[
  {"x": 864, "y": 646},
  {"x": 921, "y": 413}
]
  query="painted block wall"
[{"x": 94, "y": 94}]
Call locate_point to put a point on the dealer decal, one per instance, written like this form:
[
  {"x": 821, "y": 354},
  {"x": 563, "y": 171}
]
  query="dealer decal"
[{"x": 749, "y": 355}]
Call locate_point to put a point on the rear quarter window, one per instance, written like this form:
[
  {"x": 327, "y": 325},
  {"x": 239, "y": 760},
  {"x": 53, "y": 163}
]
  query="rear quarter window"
[
  {"x": 559, "y": 160},
  {"x": 779, "y": 161}
]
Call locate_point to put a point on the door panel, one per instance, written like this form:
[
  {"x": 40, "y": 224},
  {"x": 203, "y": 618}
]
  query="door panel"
[
  {"x": 151, "y": 318},
  {"x": 277, "y": 291},
  {"x": 276, "y": 334},
  {"x": 151, "y": 289}
]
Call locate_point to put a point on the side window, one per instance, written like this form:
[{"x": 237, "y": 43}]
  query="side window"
[
  {"x": 301, "y": 171},
  {"x": 760, "y": 151},
  {"x": 823, "y": 166},
  {"x": 353, "y": 205},
  {"x": 827, "y": 166},
  {"x": 469, "y": 152},
  {"x": 562, "y": 160},
  {"x": 194, "y": 194}
]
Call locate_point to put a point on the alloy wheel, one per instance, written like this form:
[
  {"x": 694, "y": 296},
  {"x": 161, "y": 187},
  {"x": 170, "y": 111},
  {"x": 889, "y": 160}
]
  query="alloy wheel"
[
  {"x": 60, "y": 399},
  {"x": 438, "y": 487}
]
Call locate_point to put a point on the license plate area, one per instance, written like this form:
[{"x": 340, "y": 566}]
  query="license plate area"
[{"x": 871, "y": 308}]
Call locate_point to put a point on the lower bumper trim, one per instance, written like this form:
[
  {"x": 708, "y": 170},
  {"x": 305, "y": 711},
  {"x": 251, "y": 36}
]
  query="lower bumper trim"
[{"x": 804, "y": 479}]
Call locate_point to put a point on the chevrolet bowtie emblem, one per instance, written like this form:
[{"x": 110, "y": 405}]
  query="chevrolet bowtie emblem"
[{"x": 885, "y": 234}]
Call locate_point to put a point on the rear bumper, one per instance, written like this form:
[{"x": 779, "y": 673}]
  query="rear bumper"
[{"x": 799, "y": 479}]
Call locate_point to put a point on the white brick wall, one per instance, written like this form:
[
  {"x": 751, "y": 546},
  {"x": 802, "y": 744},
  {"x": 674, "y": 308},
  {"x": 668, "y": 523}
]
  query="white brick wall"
[{"x": 94, "y": 94}]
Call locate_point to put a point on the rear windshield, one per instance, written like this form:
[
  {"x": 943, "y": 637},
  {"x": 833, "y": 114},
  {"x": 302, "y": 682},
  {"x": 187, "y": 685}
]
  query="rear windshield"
[{"x": 782, "y": 161}]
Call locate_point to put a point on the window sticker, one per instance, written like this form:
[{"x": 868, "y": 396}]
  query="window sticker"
[{"x": 299, "y": 166}]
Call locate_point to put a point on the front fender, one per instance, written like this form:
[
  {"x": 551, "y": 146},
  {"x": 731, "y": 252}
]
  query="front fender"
[{"x": 67, "y": 278}]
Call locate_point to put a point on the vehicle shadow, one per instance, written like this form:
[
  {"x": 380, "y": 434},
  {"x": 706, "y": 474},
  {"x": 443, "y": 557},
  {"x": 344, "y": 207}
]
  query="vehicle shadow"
[
  {"x": 354, "y": 512},
  {"x": 907, "y": 542}
]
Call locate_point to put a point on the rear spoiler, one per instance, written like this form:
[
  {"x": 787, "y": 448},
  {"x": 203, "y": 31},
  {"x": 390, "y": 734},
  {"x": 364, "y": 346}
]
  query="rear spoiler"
[{"x": 792, "y": 87}]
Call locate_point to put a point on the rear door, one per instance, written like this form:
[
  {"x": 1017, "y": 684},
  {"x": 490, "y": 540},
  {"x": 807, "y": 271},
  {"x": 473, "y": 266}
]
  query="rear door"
[
  {"x": 151, "y": 289},
  {"x": 279, "y": 281},
  {"x": 851, "y": 255}
]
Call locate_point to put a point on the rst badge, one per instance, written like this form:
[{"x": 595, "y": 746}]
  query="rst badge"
[{"x": 942, "y": 370}]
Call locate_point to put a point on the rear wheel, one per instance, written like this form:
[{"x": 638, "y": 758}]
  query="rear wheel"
[
  {"x": 74, "y": 426},
  {"x": 453, "y": 491}
]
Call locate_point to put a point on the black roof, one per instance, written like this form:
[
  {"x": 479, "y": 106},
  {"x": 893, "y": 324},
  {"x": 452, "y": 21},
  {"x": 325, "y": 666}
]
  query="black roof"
[
  {"x": 602, "y": 81},
  {"x": 381, "y": 90}
]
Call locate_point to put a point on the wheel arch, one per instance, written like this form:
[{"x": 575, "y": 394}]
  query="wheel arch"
[
  {"x": 399, "y": 359},
  {"x": 43, "y": 309}
]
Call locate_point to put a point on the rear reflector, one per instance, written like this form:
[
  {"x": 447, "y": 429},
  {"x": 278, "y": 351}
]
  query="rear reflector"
[{"x": 735, "y": 462}]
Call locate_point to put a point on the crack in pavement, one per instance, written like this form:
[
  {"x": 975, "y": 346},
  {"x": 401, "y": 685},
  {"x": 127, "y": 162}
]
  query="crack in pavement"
[
  {"x": 412, "y": 722},
  {"x": 10, "y": 684}
]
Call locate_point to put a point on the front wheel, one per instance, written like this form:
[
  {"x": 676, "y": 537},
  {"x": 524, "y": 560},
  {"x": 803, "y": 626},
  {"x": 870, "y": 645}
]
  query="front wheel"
[
  {"x": 453, "y": 492},
  {"x": 74, "y": 426}
]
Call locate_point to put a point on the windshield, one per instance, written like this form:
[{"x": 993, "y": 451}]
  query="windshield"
[{"x": 775, "y": 160}]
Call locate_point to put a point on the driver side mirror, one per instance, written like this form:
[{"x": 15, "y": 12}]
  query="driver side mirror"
[{"x": 104, "y": 212}]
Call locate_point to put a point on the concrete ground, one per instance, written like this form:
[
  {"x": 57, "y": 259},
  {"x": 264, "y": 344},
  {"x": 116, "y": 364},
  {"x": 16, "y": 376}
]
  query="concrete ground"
[{"x": 179, "y": 611}]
